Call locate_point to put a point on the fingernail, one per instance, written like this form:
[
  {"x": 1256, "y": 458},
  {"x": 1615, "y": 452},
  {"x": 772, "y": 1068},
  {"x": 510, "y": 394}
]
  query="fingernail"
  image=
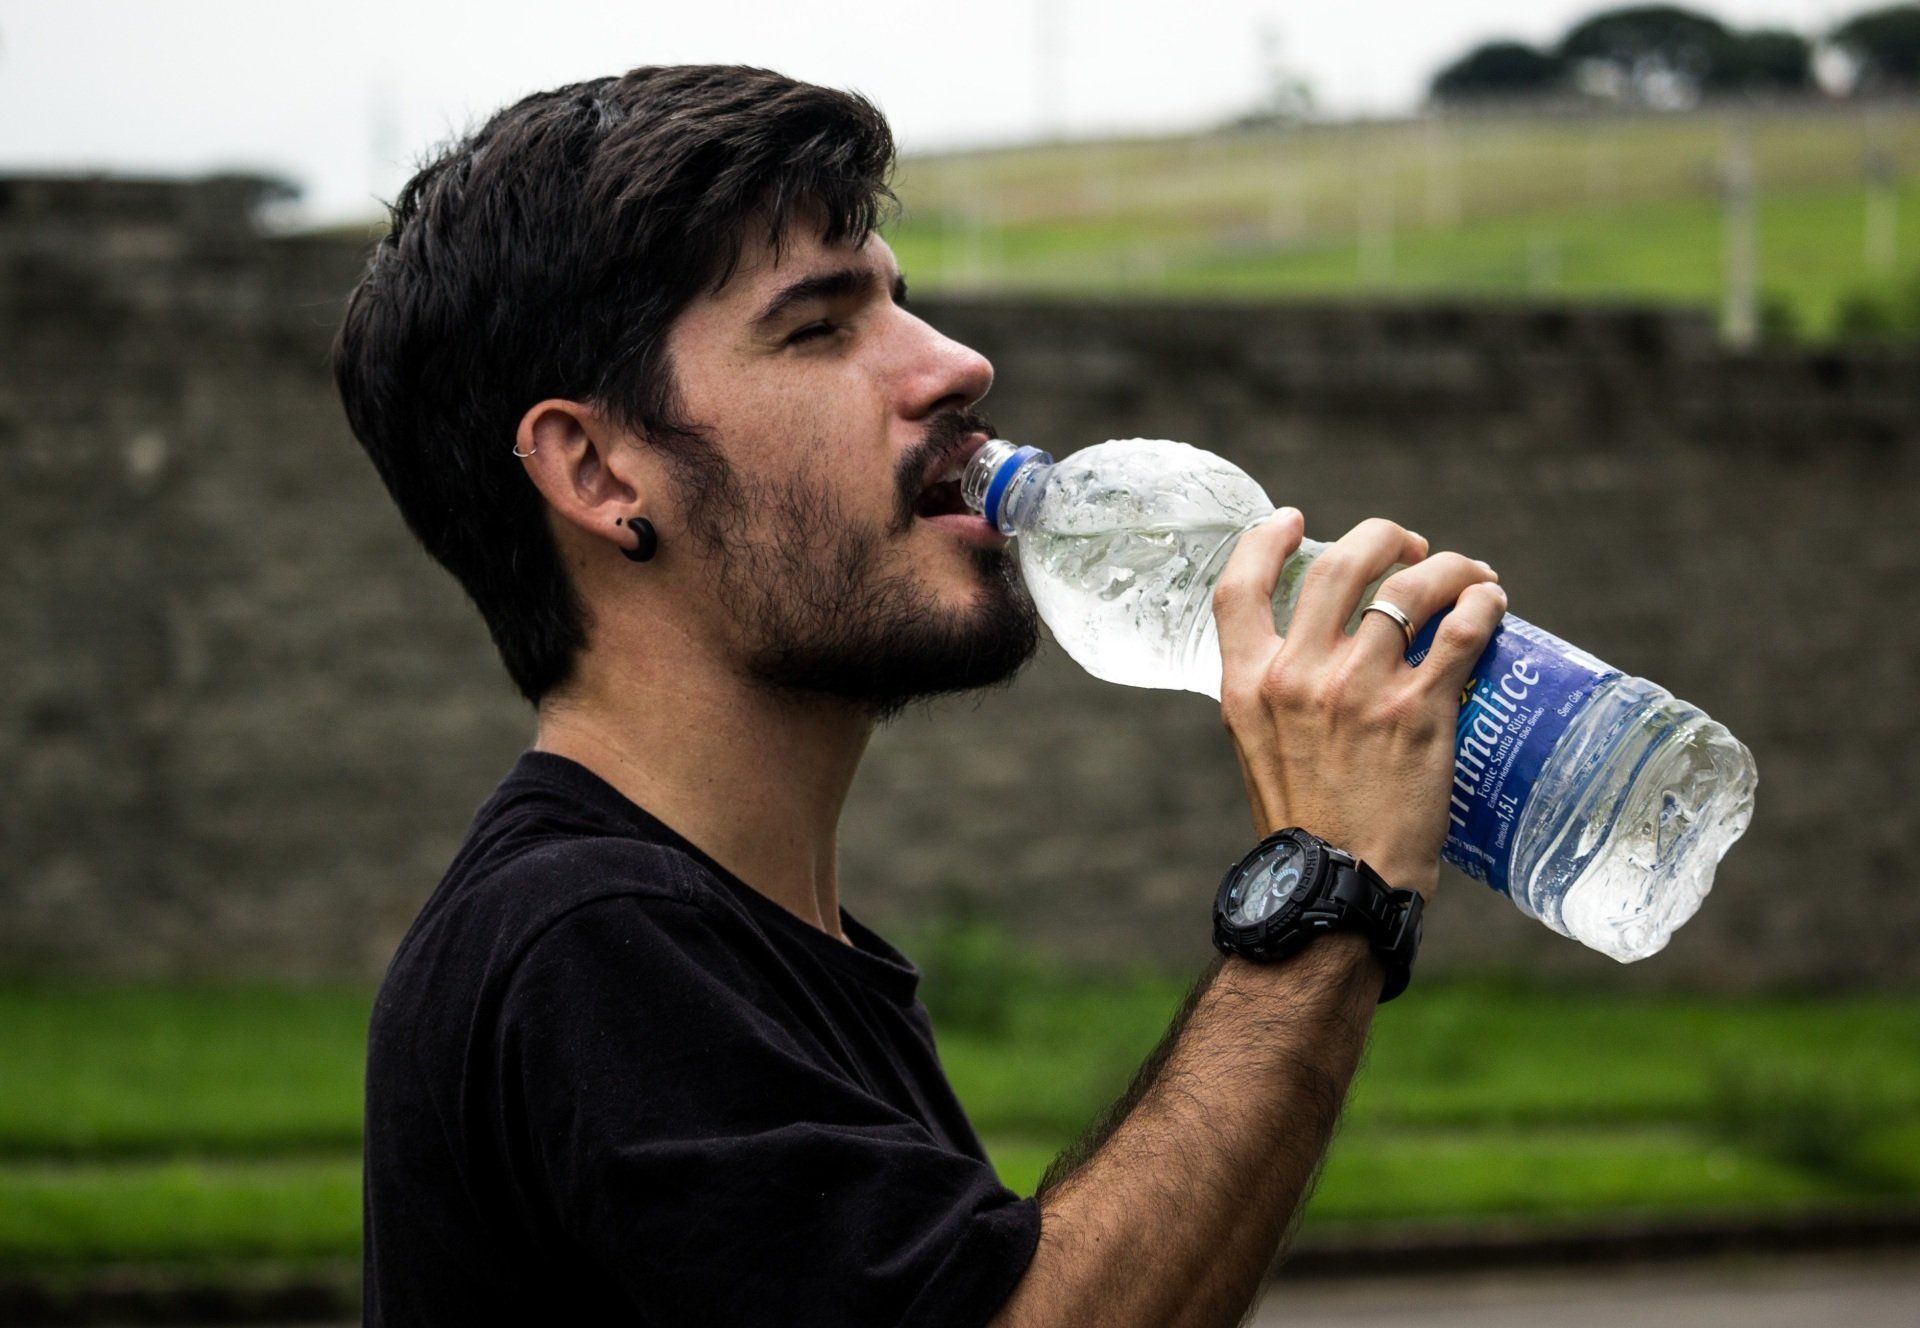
[
  {"x": 1283, "y": 513},
  {"x": 1488, "y": 569}
]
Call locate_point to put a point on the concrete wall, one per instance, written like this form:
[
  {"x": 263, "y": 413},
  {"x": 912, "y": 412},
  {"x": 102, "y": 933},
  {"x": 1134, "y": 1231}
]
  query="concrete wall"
[{"x": 245, "y": 720}]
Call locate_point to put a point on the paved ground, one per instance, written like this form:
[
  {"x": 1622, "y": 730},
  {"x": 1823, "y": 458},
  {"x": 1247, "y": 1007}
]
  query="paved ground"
[
  {"x": 1878, "y": 1294},
  {"x": 1882, "y": 1293}
]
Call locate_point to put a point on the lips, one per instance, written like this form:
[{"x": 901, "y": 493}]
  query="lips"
[{"x": 940, "y": 486}]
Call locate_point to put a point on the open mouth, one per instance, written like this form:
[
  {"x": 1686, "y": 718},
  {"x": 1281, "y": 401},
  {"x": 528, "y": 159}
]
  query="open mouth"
[
  {"x": 941, "y": 497},
  {"x": 940, "y": 493}
]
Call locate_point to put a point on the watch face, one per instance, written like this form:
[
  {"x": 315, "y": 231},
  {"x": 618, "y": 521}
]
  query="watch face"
[{"x": 1274, "y": 881}]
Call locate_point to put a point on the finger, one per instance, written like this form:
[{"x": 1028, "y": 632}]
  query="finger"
[
  {"x": 1462, "y": 638},
  {"x": 1428, "y": 587},
  {"x": 1243, "y": 597},
  {"x": 1334, "y": 583}
]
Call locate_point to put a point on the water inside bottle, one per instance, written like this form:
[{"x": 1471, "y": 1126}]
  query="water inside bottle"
[
  {"x": 1642, "y": 800},
  {"x": 1121, "y": 557},
  {"x": 1121, "y": 602}
]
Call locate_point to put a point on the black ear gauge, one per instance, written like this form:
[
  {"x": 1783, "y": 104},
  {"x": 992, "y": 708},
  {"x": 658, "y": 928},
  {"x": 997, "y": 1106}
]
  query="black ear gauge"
[{"x": 647, "y": 540}]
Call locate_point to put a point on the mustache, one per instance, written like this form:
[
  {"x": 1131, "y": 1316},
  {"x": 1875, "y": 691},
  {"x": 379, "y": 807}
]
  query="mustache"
[{"x": 945, "y": 441}]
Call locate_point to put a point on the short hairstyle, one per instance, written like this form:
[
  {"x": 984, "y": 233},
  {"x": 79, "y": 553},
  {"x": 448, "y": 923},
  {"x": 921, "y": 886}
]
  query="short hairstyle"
[{"x": 546, "y": 255}]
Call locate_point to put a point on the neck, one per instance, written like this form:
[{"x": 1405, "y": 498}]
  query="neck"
[{"x": 754, "y": 779}]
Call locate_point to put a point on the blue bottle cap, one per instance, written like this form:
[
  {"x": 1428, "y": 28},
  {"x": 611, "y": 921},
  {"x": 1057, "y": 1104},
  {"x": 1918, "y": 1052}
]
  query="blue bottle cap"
[{"x": 1002, "y": 476}]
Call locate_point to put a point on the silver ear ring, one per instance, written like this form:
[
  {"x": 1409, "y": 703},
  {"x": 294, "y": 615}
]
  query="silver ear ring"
[{"x": 529, "y": 452}]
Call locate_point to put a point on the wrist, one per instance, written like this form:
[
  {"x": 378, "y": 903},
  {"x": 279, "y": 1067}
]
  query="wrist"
[
  {"x": 1340, "y": 965},
  {"x": 1295, "y": 892},
  {"x": 1421, "y": 878}
]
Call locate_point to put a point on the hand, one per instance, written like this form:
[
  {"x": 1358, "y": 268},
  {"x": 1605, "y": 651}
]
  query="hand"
[{"x": 1338, "y": 734}]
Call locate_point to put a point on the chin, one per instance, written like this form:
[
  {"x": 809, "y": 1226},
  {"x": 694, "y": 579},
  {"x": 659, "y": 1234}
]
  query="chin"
[{"x": 979, "y": 575}]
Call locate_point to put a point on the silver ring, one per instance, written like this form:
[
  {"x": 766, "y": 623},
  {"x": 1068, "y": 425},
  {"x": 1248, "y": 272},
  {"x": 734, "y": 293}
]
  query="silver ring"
[
  {"x": 1393, "y": 611},
  {"x": 529, "y": 452}
]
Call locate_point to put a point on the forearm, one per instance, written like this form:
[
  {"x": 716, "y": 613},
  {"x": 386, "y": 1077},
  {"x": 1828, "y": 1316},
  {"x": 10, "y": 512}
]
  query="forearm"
[{"x": 1177, "y": 1214}]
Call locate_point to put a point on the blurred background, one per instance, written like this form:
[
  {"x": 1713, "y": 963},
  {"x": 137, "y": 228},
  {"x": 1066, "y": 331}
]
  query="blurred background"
[{"x": 1625, "y": 301}]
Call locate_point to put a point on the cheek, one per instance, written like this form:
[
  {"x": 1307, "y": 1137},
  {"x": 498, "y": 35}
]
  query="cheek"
[
  {"x": 842, "y": 445},
  {"x": 826, "y": 424}
]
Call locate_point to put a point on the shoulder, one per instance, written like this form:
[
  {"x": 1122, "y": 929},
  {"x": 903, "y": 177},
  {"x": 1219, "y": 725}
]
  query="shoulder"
[
  {"x": 654, "y": 975},
  {"x": 550, "y": 888},
  {"x": 566, "y": 885},
  {"x": 565, "y": 871}
]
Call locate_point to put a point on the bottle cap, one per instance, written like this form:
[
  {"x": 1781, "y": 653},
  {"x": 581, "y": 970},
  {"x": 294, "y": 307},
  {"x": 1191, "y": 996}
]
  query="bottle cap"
[{"x": 1003, "y": 475}]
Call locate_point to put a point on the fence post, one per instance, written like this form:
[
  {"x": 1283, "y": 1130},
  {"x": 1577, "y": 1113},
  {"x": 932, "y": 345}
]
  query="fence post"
[
  {"x": 1881, "y": 240},
  {"x": 1740, "y": 296}
]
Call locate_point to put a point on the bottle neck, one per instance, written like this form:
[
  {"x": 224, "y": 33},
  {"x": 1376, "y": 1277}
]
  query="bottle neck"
[{"x": 1002, "y": 481}]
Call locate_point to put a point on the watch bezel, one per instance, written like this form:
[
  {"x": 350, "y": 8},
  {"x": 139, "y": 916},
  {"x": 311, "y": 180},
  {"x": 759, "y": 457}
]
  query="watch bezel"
[{"x": 1280, "y": 927}]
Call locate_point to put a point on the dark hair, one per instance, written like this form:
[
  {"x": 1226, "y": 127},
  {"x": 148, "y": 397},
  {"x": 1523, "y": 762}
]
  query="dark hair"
[{"x": 546, "y": 255}]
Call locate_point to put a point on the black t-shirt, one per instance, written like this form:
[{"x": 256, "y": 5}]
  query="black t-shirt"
[{"x": 608, "y": 1082}]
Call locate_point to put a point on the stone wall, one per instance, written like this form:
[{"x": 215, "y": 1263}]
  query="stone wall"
[{"x": 245, "y": 719}]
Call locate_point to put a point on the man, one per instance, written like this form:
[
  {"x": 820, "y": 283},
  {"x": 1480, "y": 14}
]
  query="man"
[{"x": 638, "y": 371}]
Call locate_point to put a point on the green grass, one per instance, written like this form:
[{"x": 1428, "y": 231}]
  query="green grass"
[
  {"x": 202, "y": 1126},
  {"x": 183, "y": 1211},
  {"x": 1809, "y": 245},
  {"x": 1625, "y": 208},
  {"x": 138, "y": 1071},
  {"x": 1482, "y": 1098},
  {"x": 1622, "y": 207},
  {"x": 1375, "y": 1175},
  {"x": 1480, "y": 1054}
]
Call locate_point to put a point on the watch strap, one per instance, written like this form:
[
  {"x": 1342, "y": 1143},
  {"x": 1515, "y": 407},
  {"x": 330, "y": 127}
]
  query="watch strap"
[
  {"x": 1390, "y": 918},
  {"x": 1349, "y": 896}
]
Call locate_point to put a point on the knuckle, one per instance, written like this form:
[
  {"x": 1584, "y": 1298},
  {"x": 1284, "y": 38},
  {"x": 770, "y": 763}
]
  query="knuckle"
[
  {"x": 1283, "y": 691},
  {"x": 1445, "y": 569},
  {"x": 1411, "y": 714},
  {"x": 1483, "y": 594},
  {"x": 1378, "y": 528},
  {"x": 1459, "y": 632},
  {"x": 1329, "y": 565},
  {"x": 1239, "y": 702},
  {"x": 1229, "y": 592},
  {"x": 1343, "y": 692},
  {"x": 1403, "y": 587}
]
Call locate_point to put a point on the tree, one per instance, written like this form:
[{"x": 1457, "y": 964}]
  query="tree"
[
  {"x": 1497, "y": 70},
  {"x": 1658, "y": 55},
  {"x": 1767, "y": 61},
  {"x": 1287, "y": 98},
  {"x": 1884, "y": 45}
]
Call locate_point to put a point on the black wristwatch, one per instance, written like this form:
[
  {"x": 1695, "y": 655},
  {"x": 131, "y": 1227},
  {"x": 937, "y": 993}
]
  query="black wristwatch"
[{"x": 1295, "y": 886}]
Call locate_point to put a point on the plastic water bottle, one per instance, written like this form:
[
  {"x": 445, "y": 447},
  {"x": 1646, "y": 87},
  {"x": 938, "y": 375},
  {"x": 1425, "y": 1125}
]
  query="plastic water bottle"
[{"x": 1597, "y": 802}]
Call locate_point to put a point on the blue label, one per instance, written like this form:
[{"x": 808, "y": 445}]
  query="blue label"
[{"x": 1525, "y": 690}]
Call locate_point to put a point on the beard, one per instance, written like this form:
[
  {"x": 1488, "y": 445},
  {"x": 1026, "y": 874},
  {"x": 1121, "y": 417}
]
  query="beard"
[{"x": 820, "y": 613}]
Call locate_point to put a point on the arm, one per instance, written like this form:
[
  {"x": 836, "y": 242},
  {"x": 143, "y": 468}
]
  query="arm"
[{"x": 1175, "y": 1207}]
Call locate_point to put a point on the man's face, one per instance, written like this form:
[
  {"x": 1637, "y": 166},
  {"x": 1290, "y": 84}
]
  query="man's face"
[{"x": 839, "y": 563}]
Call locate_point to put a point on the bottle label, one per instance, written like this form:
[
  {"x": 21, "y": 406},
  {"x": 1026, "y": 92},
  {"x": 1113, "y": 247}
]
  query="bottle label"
[{"x": 1525, "y": 690}]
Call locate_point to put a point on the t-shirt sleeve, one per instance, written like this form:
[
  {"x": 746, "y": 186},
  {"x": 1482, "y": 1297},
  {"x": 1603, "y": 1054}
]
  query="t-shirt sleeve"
[{"x": 710, "y": 1155}]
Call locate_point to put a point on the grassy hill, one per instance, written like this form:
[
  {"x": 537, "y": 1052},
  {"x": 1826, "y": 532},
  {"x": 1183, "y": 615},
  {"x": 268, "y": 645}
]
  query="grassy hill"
[
  {"x": 196, "y": 1126},
  {"x": 1589, "y": 206}
]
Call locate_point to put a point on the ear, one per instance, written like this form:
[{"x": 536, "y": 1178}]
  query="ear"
[{"x": 587, "y": 469}]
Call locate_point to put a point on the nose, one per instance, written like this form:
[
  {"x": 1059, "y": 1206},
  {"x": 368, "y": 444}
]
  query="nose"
[{"x": 942, "y": 374}]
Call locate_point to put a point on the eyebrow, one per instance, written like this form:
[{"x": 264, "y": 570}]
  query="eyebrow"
[{"x": 838, "y": 284}]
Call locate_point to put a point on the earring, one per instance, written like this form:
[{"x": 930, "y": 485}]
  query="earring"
[
  {"x": 529, "y": 452},
  {"x": 647, "y": 542}
]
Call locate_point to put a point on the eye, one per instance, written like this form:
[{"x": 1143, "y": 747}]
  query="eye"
[{"x": 812, "y": 332}]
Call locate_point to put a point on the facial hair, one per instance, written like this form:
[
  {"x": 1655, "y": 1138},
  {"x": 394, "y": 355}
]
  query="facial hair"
[{"x": 819, "y": 612}]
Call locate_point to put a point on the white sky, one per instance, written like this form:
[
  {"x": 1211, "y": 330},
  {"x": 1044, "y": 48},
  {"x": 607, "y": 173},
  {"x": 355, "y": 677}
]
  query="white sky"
[{"x": 340, "y": 96}]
